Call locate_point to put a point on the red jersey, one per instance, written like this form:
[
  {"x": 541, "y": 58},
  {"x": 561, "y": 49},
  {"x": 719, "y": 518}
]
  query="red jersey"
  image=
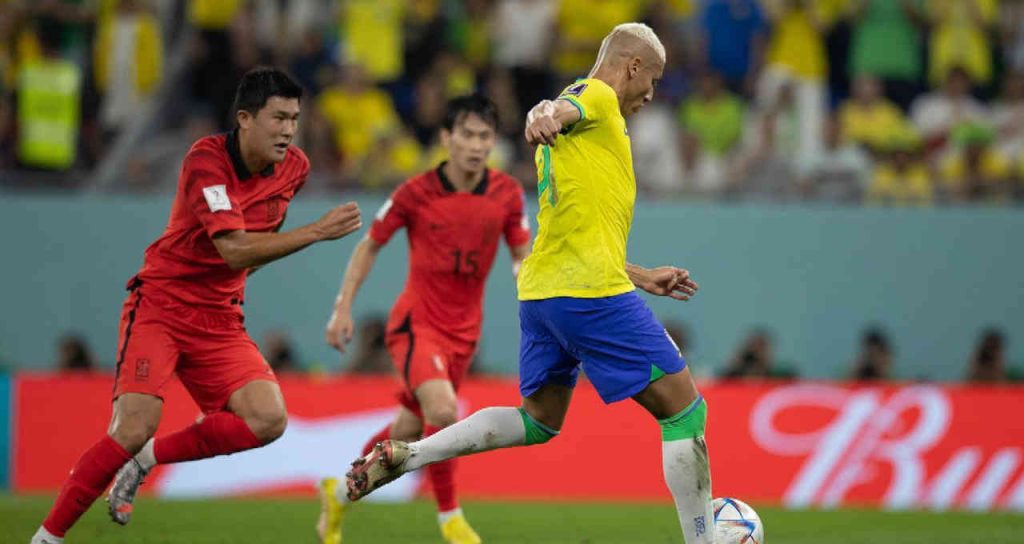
[
  {"x": 217, "y": 193},
  {"x": 453, "y": 239}
]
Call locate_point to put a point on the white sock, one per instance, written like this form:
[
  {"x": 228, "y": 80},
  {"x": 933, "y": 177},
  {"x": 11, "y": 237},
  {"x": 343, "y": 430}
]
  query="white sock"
[
  {"x": 43, "y": 536},
  {"x": 485, "y": 430},
  {"x": 443, "y": 517},
  {"x": 145, "y": 457},
  {"x": 688, "y": 475}
]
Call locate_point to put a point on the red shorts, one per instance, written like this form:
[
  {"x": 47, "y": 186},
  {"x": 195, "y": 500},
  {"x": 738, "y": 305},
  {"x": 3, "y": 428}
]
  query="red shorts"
[
  {"x": 420, "y": 354},
  {"x": 209, "y": 350}
]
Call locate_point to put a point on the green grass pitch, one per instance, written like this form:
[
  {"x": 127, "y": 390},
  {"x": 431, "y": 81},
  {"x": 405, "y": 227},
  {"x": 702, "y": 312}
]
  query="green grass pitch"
[{"x": 256, "y": 521}]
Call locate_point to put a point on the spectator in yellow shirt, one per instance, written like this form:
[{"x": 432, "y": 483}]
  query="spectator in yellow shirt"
[
  {"x": 360, "y": 116},
  {"x": 582, "y": 24},
  {"x": 796, "y": 57},
  {"x": 975, "y": 171},
  {"x": 960, "y": 38},
  {"x": 901, "y": 178},
  {"x": 372, "y": 36},
  {"x": 867, "y": 117},
  {"x": 128, "y": 62}
]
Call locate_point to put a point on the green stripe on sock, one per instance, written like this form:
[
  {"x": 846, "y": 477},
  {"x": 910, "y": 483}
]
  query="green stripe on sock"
[
  {"x": 536, "y": 432},
  {"x": 690, "y": 423}
]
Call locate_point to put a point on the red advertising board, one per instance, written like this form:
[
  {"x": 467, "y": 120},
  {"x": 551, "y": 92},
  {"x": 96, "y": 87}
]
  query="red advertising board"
[{"x": 799, "y": 444}]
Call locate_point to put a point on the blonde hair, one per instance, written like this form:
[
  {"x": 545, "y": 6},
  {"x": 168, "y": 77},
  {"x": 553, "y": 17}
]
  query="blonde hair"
[{"x": 625, "y": 33}]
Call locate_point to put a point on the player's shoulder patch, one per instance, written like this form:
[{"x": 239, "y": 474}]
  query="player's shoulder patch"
[
  {"x": 217, "y": 197},
  {"x": 576, "y": 89}
]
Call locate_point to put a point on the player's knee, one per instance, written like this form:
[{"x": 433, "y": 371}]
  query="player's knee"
[
  {"x": 442, "y": 415},
  {"x": 133, "y": 432},
  {"x": 535, "y": 431},
  {"x": 268, "y": 425}
]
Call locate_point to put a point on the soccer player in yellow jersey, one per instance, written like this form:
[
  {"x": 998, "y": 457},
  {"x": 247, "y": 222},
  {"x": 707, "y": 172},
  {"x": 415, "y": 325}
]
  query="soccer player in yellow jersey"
[{"x": 578, "y": 303}]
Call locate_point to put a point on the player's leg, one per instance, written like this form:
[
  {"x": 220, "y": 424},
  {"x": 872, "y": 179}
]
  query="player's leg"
[
  {"x": 547, "y": 376},
  {"x": 242, "y": 404},
  {"x": 406, "y": 427},
  {"x": 145, "y": 362},
  {"x": 255, "y": 416},
  {"x": 134, "y": 421},
  {"x": 231, "y": 382},
  {"x": 439, "y": 406},
  {"x": 629, "y": 354},
  {"x": 682, "y": 413}
]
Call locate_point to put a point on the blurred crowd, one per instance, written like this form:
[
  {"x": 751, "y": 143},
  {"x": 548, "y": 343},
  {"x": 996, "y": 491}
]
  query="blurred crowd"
[
  {"x": 753, "y": 359},
  {"x": 895, "y": 102}
]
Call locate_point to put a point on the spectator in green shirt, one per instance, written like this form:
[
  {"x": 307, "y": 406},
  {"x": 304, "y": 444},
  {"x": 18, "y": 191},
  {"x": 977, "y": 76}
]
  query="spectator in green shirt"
[
  {"x": 713, "y": 115},
  {"x": 712, "y": 121},
  {"x": 886, "y": 44}
]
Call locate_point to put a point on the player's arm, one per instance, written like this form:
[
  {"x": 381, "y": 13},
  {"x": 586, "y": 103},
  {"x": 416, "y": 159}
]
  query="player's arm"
[
  {"x": 340, "y": 326},
  {"x": 276, "y": 229},
  {"x": 546, "y": 120},
  {"x": 666, "y": 281},
  {"x": 519, "y": 253},
  {"x": 241, "y": 249}
]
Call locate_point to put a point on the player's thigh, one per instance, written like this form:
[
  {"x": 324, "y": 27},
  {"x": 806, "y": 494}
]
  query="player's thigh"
[
  {"x": 668, "y": 395},
  {"x": 543, "y": 359},
  {"x": 419, "y": 356},
  {"x": 147, "y": 354},
  {"x": 407, "y": 425},
  {"x": 549, "y": 404},
  {"x": 622, "y": 345},
  {"x": 217, "y": 364}
]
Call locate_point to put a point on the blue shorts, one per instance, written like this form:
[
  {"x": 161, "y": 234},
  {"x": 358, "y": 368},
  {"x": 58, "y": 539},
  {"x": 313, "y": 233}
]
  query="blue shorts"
[{"x": 619, "y": 342}]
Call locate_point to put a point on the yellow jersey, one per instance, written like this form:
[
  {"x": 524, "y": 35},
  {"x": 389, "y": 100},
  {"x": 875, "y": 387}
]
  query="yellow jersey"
[{"x": 587, "y": 191}]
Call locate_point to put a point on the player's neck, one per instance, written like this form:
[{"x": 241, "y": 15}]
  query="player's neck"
[
  {"x": 251, "y": 159},
  {"x": 611, "y": 77},
  {"x": 462, "y": 180}
]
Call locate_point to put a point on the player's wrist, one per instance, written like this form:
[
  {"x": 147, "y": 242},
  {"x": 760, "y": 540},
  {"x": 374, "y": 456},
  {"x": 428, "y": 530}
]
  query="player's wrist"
[{"x": 342, "y": 306}]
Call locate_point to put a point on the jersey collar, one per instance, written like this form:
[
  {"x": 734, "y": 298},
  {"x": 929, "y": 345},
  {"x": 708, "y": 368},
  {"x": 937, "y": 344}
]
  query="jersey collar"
[
  {"x": 235, "y": 152},
  {"x": 480, "y": 189}
]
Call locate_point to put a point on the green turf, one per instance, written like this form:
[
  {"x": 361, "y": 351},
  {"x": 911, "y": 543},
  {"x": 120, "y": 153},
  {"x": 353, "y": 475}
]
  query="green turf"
[{"x": 287, "y": 521}]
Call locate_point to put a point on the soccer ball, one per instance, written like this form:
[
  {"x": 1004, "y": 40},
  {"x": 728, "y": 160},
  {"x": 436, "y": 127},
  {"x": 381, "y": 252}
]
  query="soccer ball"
[{"x": 736, "y": 522}]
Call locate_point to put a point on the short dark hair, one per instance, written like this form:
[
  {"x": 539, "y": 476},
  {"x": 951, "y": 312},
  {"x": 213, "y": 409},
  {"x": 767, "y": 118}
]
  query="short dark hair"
[
  {"x": 261, "y": 83},
  {"x": 477, "y": 104}
]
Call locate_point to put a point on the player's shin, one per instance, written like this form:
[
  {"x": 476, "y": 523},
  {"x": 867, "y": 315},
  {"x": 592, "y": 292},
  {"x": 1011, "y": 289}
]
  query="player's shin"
[
  {"x": 89, "y": 477},
  {"x": 442, "y": 479},
  {"x": 485, "y": 430},
  {"x": 687, "y": 471}
]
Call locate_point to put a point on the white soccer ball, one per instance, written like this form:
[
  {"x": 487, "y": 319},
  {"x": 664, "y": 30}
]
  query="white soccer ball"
[{"x": 736, "y": 522}]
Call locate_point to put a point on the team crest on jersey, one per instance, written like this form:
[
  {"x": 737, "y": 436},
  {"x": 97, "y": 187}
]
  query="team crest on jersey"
[
  {"x": 142, "y": 370},
  {"x": 576, "y": 89}
]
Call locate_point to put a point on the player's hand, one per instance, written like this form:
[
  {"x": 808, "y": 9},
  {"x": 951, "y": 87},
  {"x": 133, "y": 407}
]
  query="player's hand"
[
  {"x": 541, "y": 125},
  {"x": 340, "y": 221},
  {"x": 669, "y": 281},
  {"x": 339, "y": 330}
]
